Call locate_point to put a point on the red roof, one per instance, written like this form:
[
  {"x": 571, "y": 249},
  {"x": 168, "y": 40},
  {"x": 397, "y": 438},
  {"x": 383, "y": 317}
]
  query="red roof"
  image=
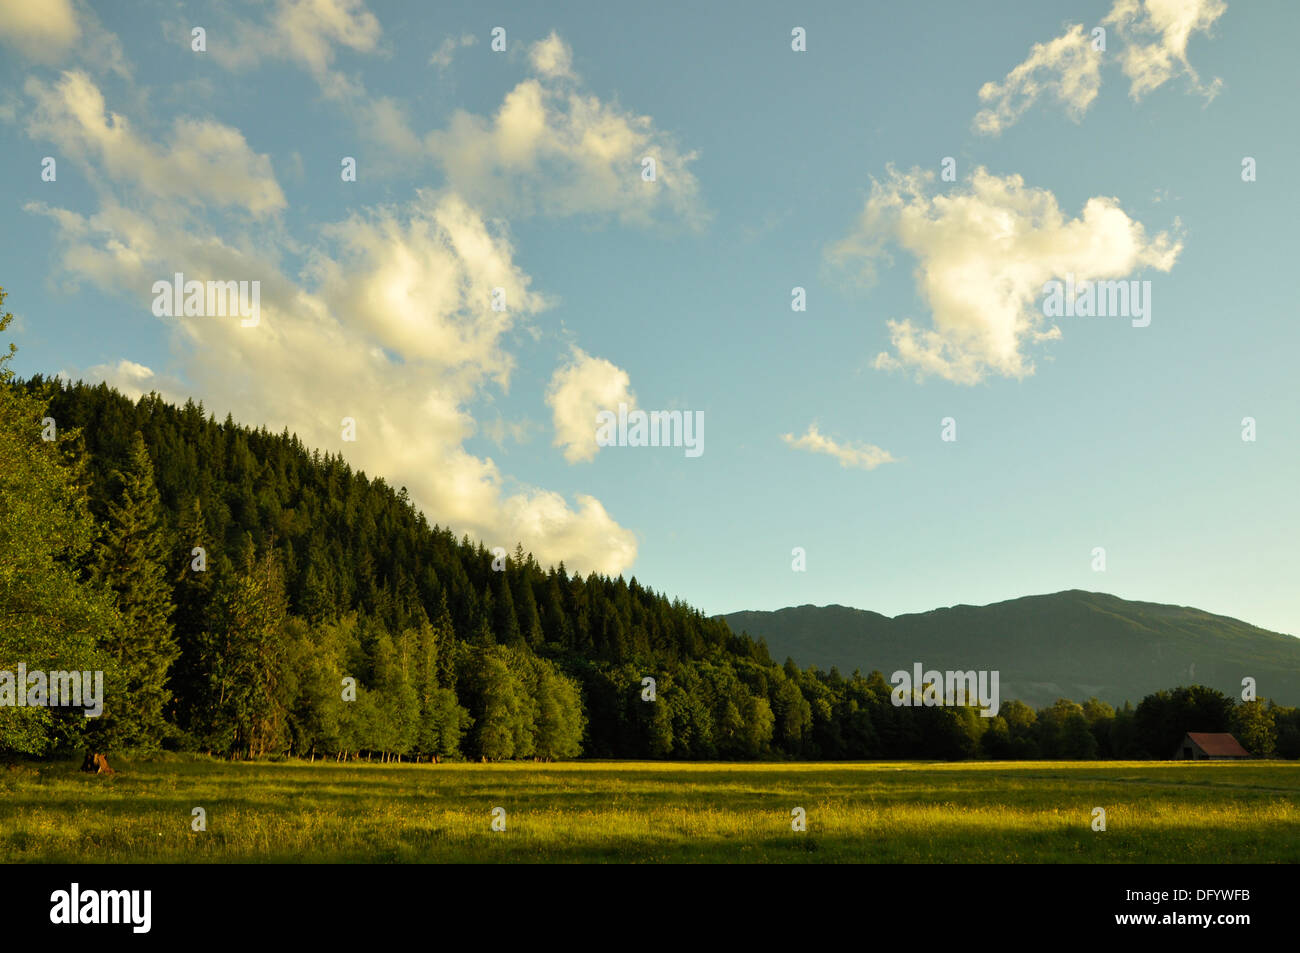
[{"x": 1219, "y": 744}]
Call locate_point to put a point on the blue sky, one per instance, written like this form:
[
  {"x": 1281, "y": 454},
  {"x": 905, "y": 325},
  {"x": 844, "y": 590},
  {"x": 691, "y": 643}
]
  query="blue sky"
[{"x": 819, "y": 169}]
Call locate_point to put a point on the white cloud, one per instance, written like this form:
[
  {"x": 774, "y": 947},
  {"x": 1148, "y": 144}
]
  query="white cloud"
[
  {"x": 59, "y": 31},
  {"x": 863, "y": 456},
  {"x": 129, "y": 373},
  {"x": 423, "y": 286},
  {"x": 132, "y": 379},
  {"x": 552, "y": 57},
  {"x": 983, "y": 253},
  {"x": 580, "y": 389},
  {"x": 585, "y": 539},
  {"x": 42, "y": 31},
  {"x": 1066, "y": 68},
  {"x": 554, "y": 149},
  {"x": 203, "y": 161},
  {"x": 308, "y": 33},
  {"x": 1155, "y": 35},
  {"x": 1169, "y": 24}
]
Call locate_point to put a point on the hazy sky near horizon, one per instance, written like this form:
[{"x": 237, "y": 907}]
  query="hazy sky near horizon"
[{"x": 775, "y": 169}]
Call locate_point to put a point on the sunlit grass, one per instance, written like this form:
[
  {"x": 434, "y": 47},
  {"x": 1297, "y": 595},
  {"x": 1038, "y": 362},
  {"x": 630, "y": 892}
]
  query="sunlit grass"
[{"x": 652, "y": 811}]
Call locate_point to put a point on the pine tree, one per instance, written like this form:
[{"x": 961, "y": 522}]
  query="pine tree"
[
  {"x": 529, "y": 620},
  {"x": 318, "y": 596},
  {"x": 132, "y": 560},
  {"x": 505, "y": 624},
  {"x": 192, "y": 591},
  {"x": 555, "y": 621},
  {"x": 445, "y": 636},
  {"x": 248, "y": 704}
]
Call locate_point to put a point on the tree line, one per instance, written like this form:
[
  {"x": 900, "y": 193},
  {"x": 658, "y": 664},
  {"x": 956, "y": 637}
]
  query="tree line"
[{"x": 250, "y": 598}]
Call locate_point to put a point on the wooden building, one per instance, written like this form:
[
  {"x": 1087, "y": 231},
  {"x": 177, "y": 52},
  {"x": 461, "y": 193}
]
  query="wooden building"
[{"x": 1217, "y": 746}]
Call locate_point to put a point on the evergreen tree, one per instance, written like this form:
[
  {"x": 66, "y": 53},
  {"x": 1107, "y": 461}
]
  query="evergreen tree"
[
  {"x": 530, "y": 620},
  {"x": 505, "y": 625},
  {"x": 444, "y": 636},
  {"x": 192, "y": 583},
  {"x": 247, "y": 704},
  {"x": 132, "y": 560}
]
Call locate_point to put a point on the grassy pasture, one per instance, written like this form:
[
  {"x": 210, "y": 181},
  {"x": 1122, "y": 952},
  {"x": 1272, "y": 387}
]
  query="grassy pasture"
[{"x": 886, "y": 812}]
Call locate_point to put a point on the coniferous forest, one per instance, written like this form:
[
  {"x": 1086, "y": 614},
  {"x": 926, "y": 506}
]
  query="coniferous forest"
[{"x": 250, "y": 597}]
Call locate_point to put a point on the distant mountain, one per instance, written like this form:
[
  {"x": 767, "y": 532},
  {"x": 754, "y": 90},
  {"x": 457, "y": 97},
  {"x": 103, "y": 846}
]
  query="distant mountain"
[{"x": 1072, "y": 644}]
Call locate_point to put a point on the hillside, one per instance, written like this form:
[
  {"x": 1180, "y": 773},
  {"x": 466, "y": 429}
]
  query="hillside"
[
  {"x": 1072, "y": 644},
  {"x": 249, "y": 597},
  {"x": 315, "y": 572}
]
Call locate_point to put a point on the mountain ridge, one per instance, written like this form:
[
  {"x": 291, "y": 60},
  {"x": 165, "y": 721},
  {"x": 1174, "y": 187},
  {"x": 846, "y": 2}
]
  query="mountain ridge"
[
  {"x": 986, "y": 605},
  {"x": 1073, "y": 643}
]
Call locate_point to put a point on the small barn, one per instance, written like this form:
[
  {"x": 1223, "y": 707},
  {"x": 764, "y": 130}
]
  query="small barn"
[{"x": 1216, "y": 746}]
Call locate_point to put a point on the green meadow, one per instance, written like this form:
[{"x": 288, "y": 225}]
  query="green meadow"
[{"x": 652, "y": 812}]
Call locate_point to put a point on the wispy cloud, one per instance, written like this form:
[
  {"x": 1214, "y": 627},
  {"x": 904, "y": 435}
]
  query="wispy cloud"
[
  {"x": 1067, "y": 69},
  {"x": 306, "y": 32},
  {"x": 861, "y": 456},
  {"x": 203, "y": 161},
  {"x": 1167, "y": 26},
  {"x": 553, "y": 148}
]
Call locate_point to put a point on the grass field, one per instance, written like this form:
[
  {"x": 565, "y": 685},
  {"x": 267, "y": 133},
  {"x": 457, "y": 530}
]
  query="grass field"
[{"x": 887, "y": 812}]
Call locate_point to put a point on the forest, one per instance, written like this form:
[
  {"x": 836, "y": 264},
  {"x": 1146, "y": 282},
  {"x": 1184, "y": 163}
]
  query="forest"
[{"x": 249, "y": 597}]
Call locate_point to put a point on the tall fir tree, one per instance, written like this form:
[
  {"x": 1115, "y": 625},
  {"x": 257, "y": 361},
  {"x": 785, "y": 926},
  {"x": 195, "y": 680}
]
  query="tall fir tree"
[
  {"x": 192, "y": 591},
  {"x": 505, "y": 624},
  {"x": 131, "y": 559},
  {"x": 530, "y": 621},
  {"x": 246, "y": 651}
]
